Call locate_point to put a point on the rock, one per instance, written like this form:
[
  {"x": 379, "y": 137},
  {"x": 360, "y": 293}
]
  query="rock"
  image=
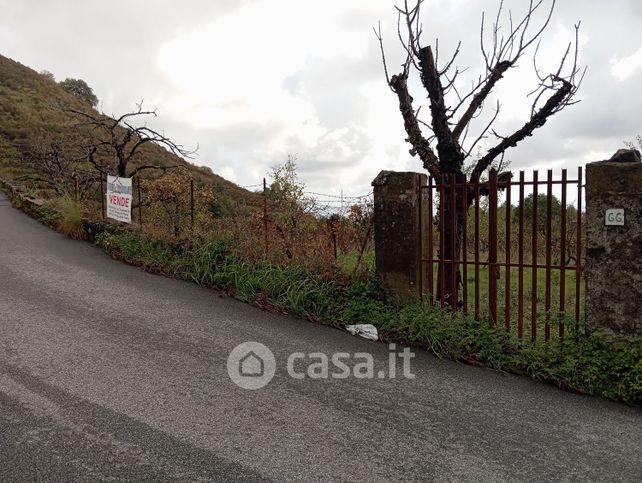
[{"x": 626, "y": 156}]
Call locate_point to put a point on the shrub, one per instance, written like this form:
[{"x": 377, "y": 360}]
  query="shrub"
[{"x": 70, "y": 220}]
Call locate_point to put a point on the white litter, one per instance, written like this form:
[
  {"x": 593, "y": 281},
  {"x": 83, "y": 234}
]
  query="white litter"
[{"x": 367, "y": 331}]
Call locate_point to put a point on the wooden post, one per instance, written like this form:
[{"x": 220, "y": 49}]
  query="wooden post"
[
  {"x": 191, "y": 190},
  {"x": 265, "y": 216},
  {"x": 140, "y": 203},
  {"x": 102, "y": 196}
]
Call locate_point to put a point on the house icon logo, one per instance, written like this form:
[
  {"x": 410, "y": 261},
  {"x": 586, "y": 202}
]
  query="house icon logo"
[{"x": 251, "y": 365}]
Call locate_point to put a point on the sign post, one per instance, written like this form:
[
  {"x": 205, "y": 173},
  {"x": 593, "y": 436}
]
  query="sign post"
[{"x": 119, "y": 199}]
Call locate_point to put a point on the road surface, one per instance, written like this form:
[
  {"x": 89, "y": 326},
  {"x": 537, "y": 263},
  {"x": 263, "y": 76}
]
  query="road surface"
[{"x": 107, "y": 372}]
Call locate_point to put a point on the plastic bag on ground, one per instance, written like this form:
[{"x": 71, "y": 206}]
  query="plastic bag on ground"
[{"x": 367, "y": 331}]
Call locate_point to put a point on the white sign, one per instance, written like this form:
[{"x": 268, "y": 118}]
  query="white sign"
[
  {"x": 119, "y": 198},
  {"x": 614, "y": 217}
]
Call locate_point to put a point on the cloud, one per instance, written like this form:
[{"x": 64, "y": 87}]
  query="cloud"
[
  {"x": 253, "y": 81},
  {"x": 624, "y": 68}
]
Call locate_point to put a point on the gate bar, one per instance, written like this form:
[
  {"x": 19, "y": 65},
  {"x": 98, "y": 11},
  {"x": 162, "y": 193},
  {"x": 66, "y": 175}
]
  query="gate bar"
[
  {"x": 431, "y": 250},
  {"x": 442, "y": 243},
  {"x": 507, "y": 288},
  {"x": 464, "y": 235},
  {"x": 453, "y": 245},
  {"x": 420, "y": 239},
  {"x": 562, "y": 257},
  {"x": 534, "y": 262},
  {"x": 492, "y": 248},
  {"x": 578, "y": 250},
  {"x": 477, "y": 249},
  {"x": 520, "y": 262},
  {"x": 549, "y": 243}
]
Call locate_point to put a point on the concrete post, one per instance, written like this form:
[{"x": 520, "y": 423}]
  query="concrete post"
[
  {"x": 397, "y": 221},
  {"x": 614, "y": 246}
]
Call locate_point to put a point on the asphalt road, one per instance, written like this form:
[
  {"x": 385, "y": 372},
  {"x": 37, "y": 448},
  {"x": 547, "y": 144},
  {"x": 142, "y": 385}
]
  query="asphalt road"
[{"x": 110, "y": 373}]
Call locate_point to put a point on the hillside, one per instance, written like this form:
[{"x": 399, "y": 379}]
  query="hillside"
[{"x": 32, "y": 109}]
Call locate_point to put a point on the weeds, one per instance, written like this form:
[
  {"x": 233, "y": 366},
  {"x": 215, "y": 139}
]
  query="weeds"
[
  {"x": 70, "y": 221},
  {"x": 589, "y": 365}
]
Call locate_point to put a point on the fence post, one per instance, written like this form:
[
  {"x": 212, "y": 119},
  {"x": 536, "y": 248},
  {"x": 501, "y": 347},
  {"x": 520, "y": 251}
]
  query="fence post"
[
  {"x": 265, "y": 216},
  {"x": 140, "y": 202},
  {"x": 191, "y": 195},
  {"x": 400, "y": 257},
  {"x": 333, "y": 224},
  {"x": 102, "y": 195},
  {"x": 614, "y": 246},
  {"x": 492, "y": 247}
]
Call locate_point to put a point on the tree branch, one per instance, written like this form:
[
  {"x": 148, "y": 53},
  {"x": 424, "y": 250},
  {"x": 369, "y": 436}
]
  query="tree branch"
[
  {"x": 150, "y": 166},
  {"x": 420, "y": 145},
  {"x": 553, "y": 105}
]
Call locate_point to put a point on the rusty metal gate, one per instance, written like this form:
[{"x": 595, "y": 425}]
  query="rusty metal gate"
[{"x": 518, "y": 263}]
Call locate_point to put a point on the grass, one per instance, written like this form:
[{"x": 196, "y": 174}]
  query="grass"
[
  {"x": 348, "y": 264},
  {"x": 569, "y": 317},
  {"x": 70, "y": 222},
  {"x": 588, "y": 364},
  {"x": 32, "y": 111}
]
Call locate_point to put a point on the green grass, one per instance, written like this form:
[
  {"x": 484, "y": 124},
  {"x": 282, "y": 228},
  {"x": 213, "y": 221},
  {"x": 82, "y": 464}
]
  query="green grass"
[
  {"x": 587, "y": 365},
  {"x": 349, "y": 263},
  {"x": 70, "y": 222},
  {"x": 556, "y": 317}
]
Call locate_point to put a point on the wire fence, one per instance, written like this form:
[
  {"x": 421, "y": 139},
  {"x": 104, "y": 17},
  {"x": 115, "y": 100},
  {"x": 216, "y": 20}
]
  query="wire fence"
[{"x": 319, "y": 230}]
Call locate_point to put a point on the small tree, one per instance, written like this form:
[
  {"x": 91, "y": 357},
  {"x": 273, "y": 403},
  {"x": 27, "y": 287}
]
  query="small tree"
[
  {"x": 542, "y": 203},
  {"x": 60, "y": 166},
  {"x": 168, "y": 199},
  {"x": 80, "y": 89},
  {"x": 286, "y": 188},
  {"x": 48, "y": 75},
  {"x": 445, "y": 150}
]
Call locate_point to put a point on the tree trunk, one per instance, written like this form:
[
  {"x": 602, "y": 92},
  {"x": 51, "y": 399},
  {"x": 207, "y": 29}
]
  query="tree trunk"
[{"x": 452, "y": 241}]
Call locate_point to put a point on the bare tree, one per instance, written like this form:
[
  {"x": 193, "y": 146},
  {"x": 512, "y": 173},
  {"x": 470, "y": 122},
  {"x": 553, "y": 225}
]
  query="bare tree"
[
  {"x": 59, "y": 165},
  {"x": 444, "y": 150},
  {"x": 119, "y": 140}
]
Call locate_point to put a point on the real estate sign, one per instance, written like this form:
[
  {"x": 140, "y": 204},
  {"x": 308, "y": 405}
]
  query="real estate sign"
[{"x": 119, "y": 198}]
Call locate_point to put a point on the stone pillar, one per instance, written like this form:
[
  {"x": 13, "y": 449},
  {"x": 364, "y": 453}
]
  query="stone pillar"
[
  {"x": 614, "y": 246},
  {"x": 396, "y": 232}
]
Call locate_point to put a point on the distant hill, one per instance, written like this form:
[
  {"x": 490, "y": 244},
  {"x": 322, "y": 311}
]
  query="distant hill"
[{"x": 32, "y": 109}]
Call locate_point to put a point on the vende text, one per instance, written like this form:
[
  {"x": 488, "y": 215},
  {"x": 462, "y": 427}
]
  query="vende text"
[{"x": 119, "y": 201}]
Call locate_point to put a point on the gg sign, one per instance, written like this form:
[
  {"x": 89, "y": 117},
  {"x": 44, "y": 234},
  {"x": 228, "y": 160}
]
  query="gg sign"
[{"x": 614, "y": 217}]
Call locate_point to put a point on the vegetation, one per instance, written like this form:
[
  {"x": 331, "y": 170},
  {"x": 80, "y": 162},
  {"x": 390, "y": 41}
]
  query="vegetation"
[
  {"x": 587, "y": 365},
  {"x": 36, "y": 111},
  {"x": 70, "y": 221},
  {"x": 279, "y": 251},
  {"x": 442, "y": 142},
  {"x": 78, "y": 88},
  {"x": 632, "y": 145}
]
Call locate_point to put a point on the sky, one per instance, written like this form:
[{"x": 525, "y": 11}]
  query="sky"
[{"x": 253, "y": 81}]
